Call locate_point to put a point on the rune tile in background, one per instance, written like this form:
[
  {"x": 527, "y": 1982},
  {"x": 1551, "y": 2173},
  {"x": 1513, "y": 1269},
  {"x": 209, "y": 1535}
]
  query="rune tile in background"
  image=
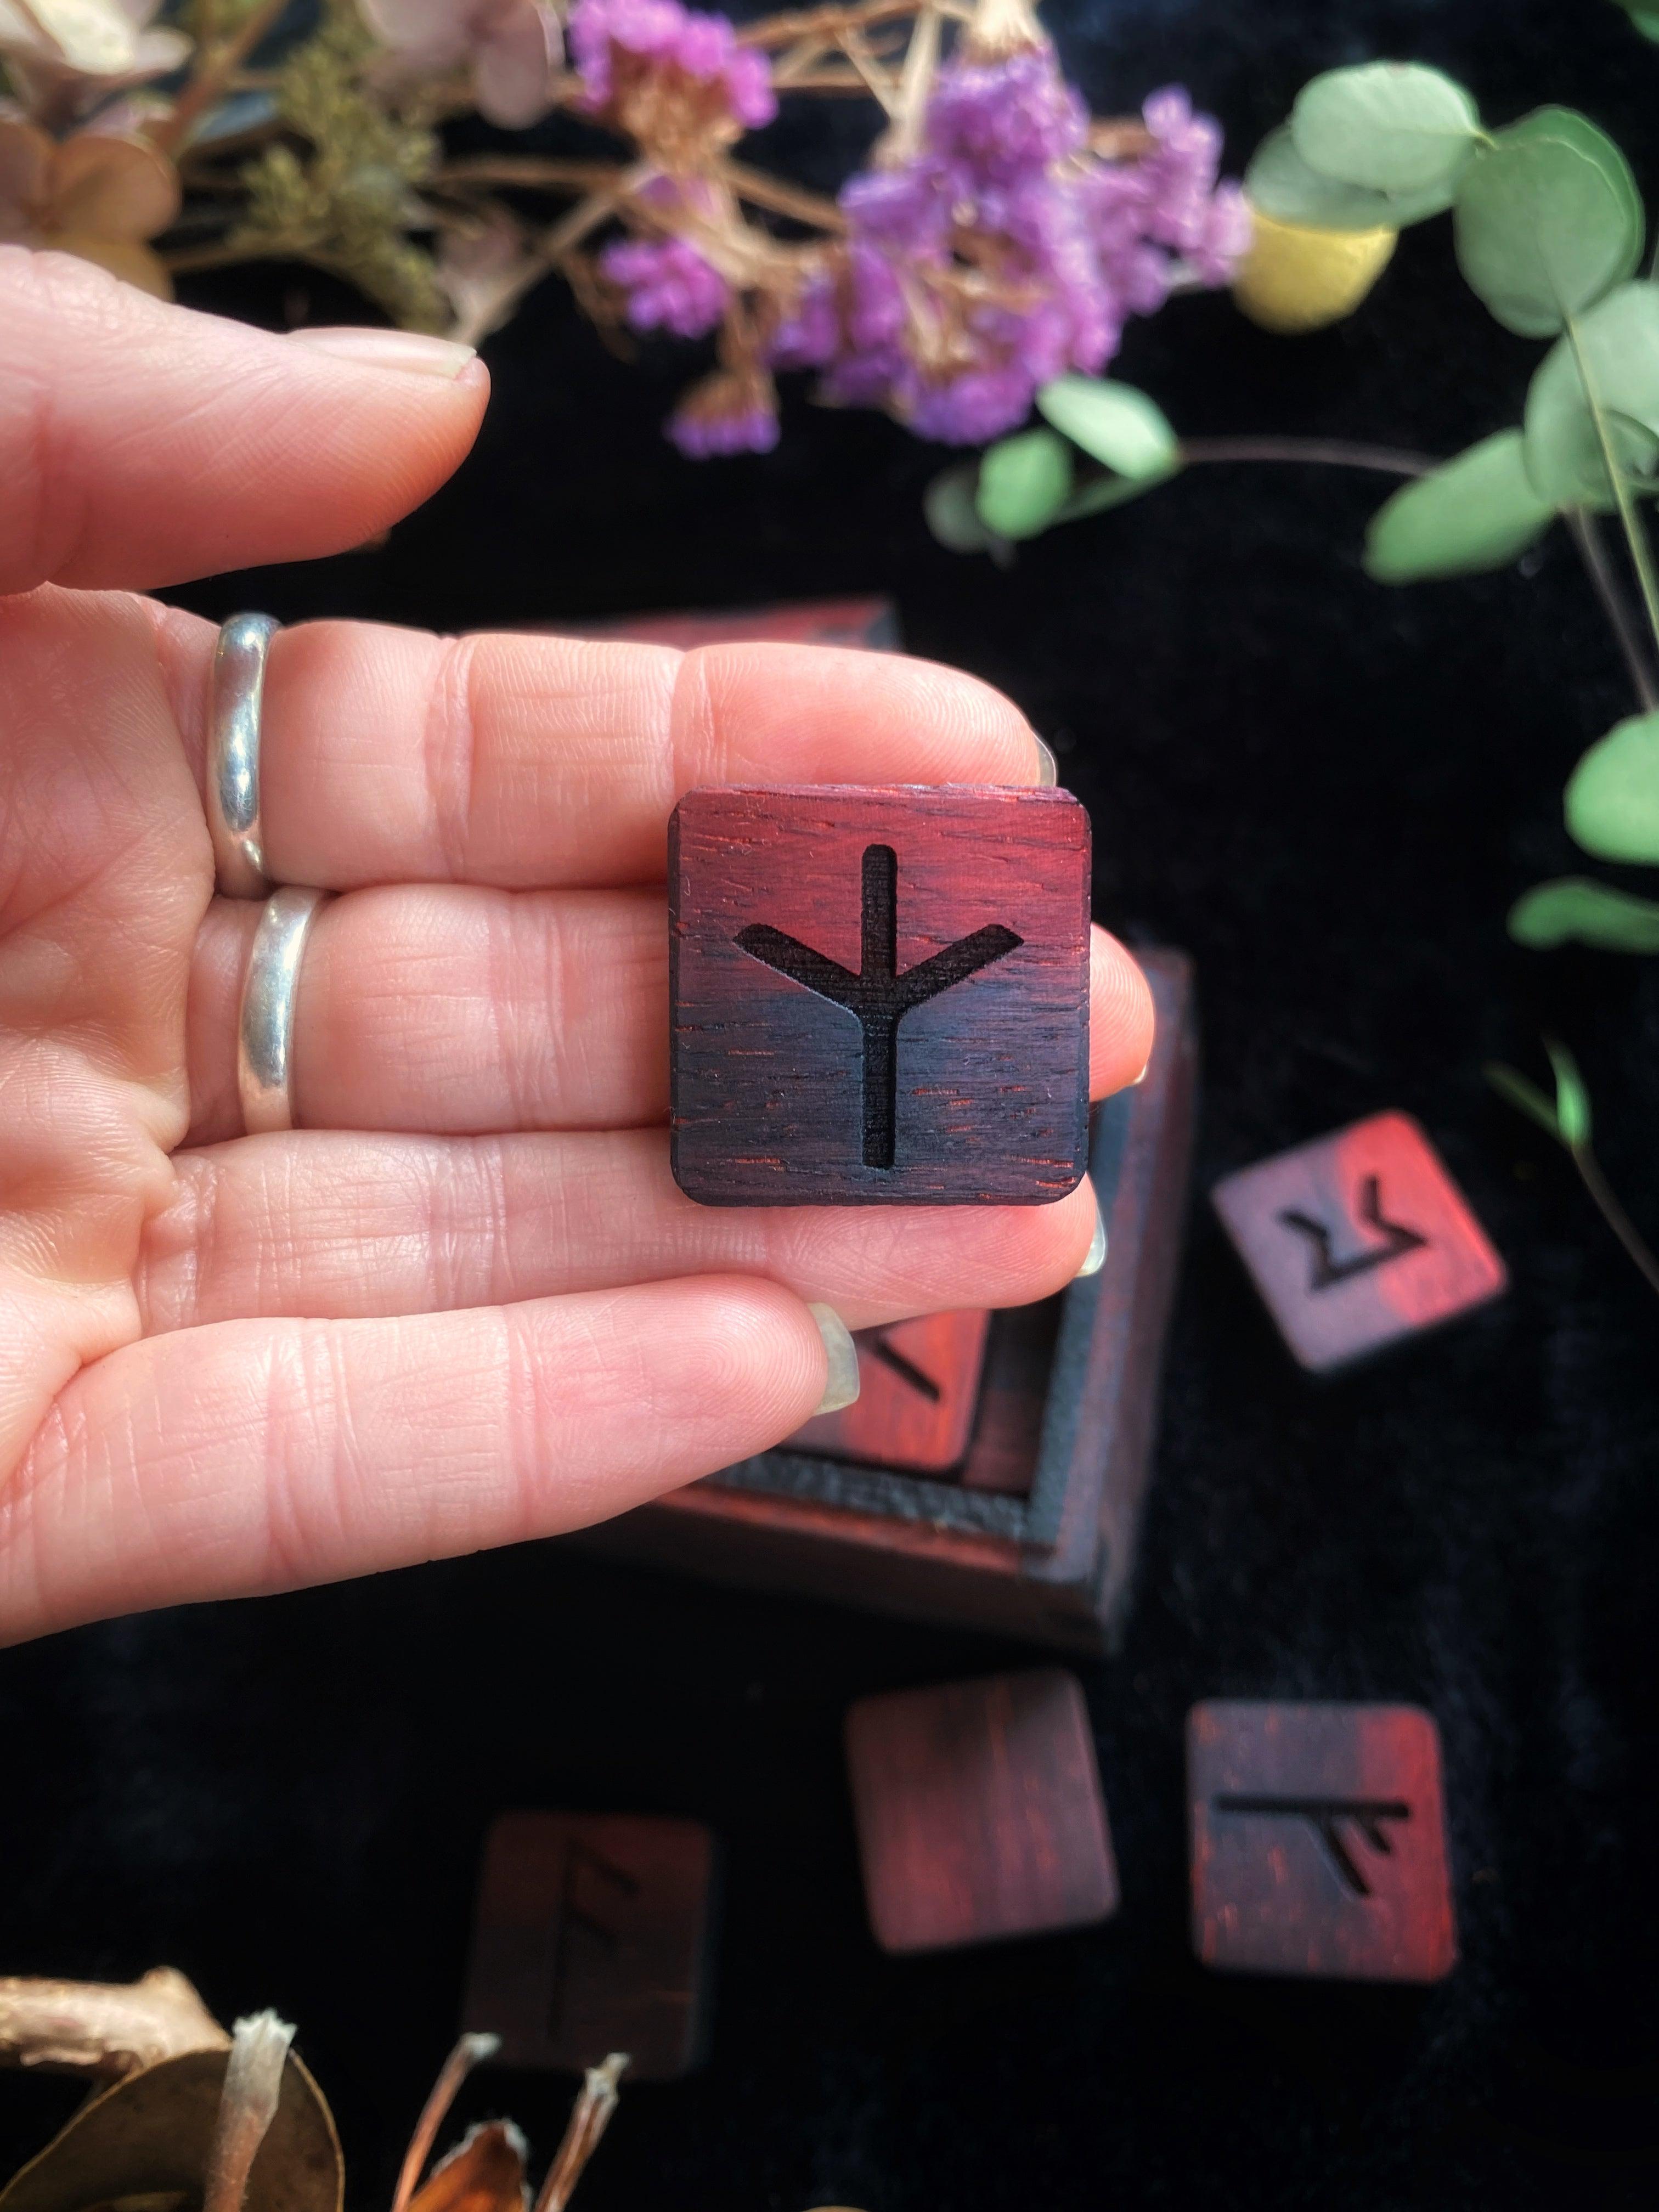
[
  {"x": 591, "y": 1937},
  {"x": 1357, "y": 1239},
  {"x": 980, "y": 1812},
  {"x": 1318, "y": 1841},
  {"x": 918, "y": 1388}
]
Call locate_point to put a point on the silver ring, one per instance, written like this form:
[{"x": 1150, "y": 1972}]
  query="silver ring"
[
  {"x": 233, "y": 764},
  {"x": 264, "y": 1029}
]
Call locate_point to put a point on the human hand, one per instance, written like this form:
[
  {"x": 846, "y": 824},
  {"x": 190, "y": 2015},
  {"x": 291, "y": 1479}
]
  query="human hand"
[{"x": 464, "y": 1302}]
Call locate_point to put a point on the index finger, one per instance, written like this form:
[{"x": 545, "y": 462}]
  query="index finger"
[{"x": 394, "y": 756}]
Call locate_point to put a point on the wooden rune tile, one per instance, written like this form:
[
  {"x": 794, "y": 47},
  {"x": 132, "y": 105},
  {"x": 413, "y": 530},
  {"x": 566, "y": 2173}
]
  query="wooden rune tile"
[
  {"x": 590, "y": 1937},
  {"x": 1357, "y": 1239},
  {"x": 918, "y": 1388},
  {"x": 878, "y": 995},
  {"x": 868, "y": 623},
  {"x": 1319, "y": 1841},
  {"x": 979, "y": 1811}
]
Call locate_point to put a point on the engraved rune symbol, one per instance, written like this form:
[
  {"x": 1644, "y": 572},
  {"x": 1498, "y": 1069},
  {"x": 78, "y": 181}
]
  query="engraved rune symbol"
[
  {"x": 1397, "y": 1238},
  {"x": 574, "y": 1915},
  {"x": 878, "y": 995},
  {"x": 1325, "y": 1815},
  {"x": 907, "y": 1369}
]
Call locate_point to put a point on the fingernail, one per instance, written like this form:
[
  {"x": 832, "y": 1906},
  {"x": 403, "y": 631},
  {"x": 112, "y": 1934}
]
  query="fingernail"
[
  {"x": 1141, "y": 1077},
  {"x": 1048, "y": 766},
  {"x": 410, "y": 351},
  {"x": 842, "y": 1386},
  {"x": 1095, "y": 1260}
]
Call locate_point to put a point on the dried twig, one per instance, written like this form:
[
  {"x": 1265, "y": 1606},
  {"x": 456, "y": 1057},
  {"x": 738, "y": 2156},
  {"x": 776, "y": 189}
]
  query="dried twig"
[
  {"x": 247, "y": 2105},
  {"x": 101, "y": 2028},
  {"x": 588, "y": 2121},
  {"x": 471, "y": 2051}
]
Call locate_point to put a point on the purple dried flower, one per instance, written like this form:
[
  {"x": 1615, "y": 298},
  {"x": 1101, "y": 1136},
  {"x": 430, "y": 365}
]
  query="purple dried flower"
[
  {"x": 1005, "y": 255},
  {"x": 1004, "y": 119},
  {"x": 670, "y": 286},
  {"x": 732, "y": 84},
  {"x": 732, "y": 411}
]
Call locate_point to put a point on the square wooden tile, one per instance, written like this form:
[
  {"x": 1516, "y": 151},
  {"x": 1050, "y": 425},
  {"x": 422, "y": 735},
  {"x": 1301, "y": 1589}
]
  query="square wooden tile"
[
  {"x": 979, "y": 1811},
  {"x": 1357, "y": 1239},
  {"x": 1319, "y": 1841},
  {"x": 590, "y": 1937},
  {"x": 878, "y": 996},
  {"x": 918, "y": 1388}
]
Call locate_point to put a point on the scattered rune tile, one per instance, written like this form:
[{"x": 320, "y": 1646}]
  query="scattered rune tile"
[
  {"x": 878, "y": 996},
  {"x": 590, "y": 1937},
  {"x": 1319, "y": 1841},
  {"x": 979, "y": 1811},
  {"x": 1357, "y": 1239},
  {"x": 918, "y": 1388}
]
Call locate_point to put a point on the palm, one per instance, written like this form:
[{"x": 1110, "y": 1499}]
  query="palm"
[{"x": 464, "y": 1303}]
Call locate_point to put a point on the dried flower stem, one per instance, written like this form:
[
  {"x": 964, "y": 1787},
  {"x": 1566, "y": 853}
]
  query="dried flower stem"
[
  {"x": 106, "y": 2029},
  {"x": 247, "y": 2105},
  {"x": 588, "y": 2121},
  {"x": 212, "y": 79},
  {"x": 781, "y": 198},
  {"x": 827, "y": 25},
  {"x": 471, "y": 2051}
]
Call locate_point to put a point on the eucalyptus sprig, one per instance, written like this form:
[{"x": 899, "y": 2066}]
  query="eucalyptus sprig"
[
  {"x": 1549, "y": 229},
  {"x": 1566, "y": 1117}
]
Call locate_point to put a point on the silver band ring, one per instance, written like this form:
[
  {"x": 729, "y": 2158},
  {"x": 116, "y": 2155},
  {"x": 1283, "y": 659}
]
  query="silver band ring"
[
  {"x": 233, "y": 761},
  {"x": 264, "y": 1029}
]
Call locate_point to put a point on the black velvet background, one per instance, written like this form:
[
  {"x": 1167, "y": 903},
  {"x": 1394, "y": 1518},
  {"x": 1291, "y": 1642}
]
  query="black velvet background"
[{"x": 1328, "y": 791}]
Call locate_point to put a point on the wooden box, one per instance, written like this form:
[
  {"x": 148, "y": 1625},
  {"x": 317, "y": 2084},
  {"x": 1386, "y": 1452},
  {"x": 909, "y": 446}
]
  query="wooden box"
[{"x": 1034, "y": 1533}]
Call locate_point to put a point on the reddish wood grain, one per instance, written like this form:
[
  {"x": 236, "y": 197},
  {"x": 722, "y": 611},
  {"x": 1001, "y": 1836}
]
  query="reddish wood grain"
[
  {"x": 918, "y": 1387},
  {"x": 979, "y": 1813},
  {"x": 869, "y": 623},
  {"x": 1358, "y": 1239},
  {"x": 1318, "y": 1841},
  {"x": 590, "y": 1937},
  {"x": 879, "y": 996}
]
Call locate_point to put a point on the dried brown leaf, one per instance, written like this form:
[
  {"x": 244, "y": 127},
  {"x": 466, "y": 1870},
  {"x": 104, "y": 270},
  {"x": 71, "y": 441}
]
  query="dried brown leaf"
[
  {"x": 484, "y": 2174},
  {"x": 148, "y": 2137}
]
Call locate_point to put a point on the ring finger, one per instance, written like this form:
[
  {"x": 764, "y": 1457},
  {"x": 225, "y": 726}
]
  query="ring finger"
[{"x": 451, "y": 1009}]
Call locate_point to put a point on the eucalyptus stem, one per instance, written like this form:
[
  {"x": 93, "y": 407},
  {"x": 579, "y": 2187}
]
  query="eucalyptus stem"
[
  {"x": 1641, "y": 553},
  {"x": 1607, "y": 1205},
  {"x": 1587, "y": 537},
  {"x": 1333, "y": 453}
]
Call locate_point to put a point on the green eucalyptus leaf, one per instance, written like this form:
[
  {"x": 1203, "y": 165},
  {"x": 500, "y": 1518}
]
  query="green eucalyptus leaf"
[
  {"x": 948, "y": 506},
  {"x": 1644, "y": 20},
  {"x": 1113, "y": 424},
  {"x": 1572, "y": 1105},
  {"x": 1477, "y": 511},
  {"x": 1572, "y": 129},
  {"x": 1394, "y": 126},
  {"x": 1543, "y": 231},
  {"x": 1618, "y": 341},
  {"x": 1282, "y": 185},
  {"x": 1023, "y": 482},
  {"x": 1522, "y": 1092},
  {"x": 1575, "y": 910},
  {"x": 1613, "y": 795}
]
